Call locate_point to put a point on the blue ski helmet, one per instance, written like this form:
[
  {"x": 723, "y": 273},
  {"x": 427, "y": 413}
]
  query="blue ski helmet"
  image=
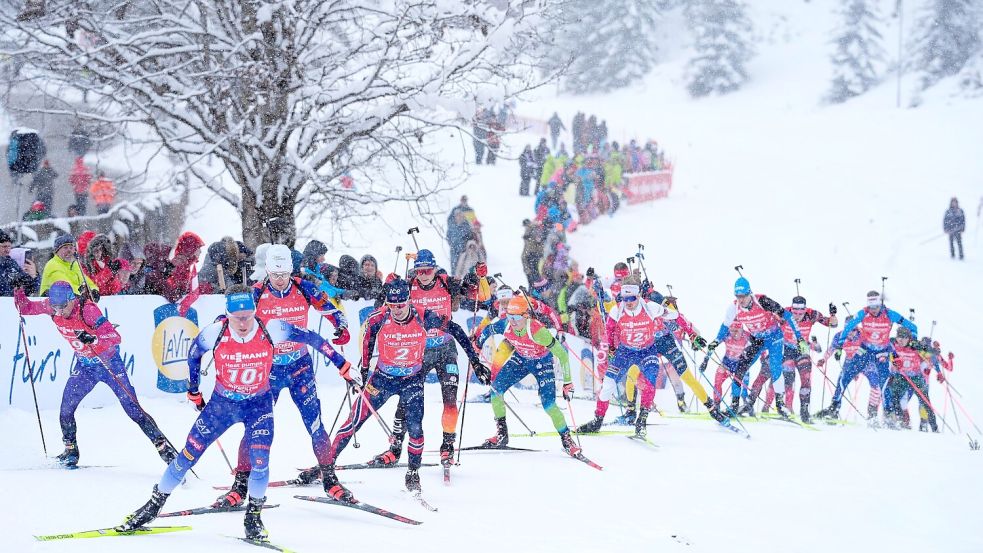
[
  {"x": 60, "y": 293},
  {"x": 397, "y": 291},
  {"x": 742, "y": 287},
  {"x": 424, "y": 258}
]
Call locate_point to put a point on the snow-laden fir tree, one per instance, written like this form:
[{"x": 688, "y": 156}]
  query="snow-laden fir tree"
[
  {"x": 722, "y": 46},
  {"x": 946, "y": 36},
  {"x": 609, "y": 44},
  {"x": 859, "y": 55}
]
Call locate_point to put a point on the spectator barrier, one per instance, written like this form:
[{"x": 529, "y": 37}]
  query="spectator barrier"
[
  {"x": 154, "y": 349},
  {"x": 647, "y": 186}
]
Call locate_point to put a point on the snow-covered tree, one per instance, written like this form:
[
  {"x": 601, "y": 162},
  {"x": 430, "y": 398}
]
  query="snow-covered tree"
[
  {"x": 946, "y": 36},
  {"x": 722, "y": 46},
  {"x": 971, "y": 77},
  {"x": 267, "y": 103},
  {"x": 609, "y": 44},
  {"x": 859, "y": 55}
]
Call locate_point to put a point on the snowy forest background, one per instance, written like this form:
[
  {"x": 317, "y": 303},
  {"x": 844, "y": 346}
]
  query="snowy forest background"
[{"x": 256, "y": 101}]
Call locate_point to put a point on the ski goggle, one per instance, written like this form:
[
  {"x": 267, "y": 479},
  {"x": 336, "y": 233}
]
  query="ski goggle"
[
  {"x": 400, "y": 305},
  {"x": 874, "y": 301},
  {"x": 425, "y": 270},
  {"x": 516, "y": 318},
  {"x": 279, "y": 276},
  {"x": 629, "y": 298}
]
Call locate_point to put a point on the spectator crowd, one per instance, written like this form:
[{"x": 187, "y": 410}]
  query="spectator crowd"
[{"x": 573, "y": 189}]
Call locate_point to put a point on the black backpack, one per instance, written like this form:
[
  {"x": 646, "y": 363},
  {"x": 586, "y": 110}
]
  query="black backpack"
[{"x": 25, "y": 152}]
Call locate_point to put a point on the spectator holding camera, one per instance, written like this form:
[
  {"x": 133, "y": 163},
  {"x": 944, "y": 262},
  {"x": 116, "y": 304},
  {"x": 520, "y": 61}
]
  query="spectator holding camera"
[{"x": 14, "y": 273}]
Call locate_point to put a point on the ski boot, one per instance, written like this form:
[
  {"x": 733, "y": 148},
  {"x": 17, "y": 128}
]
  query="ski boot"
[
  {"x": 333, "y": 487},
  {"x": 254, "y": 525},
  {"x": 906, "y": 420},
  {"x": 923, "y": 425},
  {"x": 780, "y": 407},
  {"x": 569, "y": 445},
  {"x": 831, "y": 412},
  {"x": 804, "y": 415},
  {"x": 309, "y": 476},
  {"x": 628, "y": 418},
  {"x": 146, "y": 514},
  {"x": 390, "y": 456},
  {"x": 447, "y": 449},
  {"x": 165, "y": 450},
  {"x": 70, "y": 457},
  {"x": 641, "y": 428},
  {"x": 681, "y": 403},
  {"x": 501, "y": 437},
  {"x": 714, "y": 412},
  {"x": 747, "y": 409},
  {"x": 413, "y": 481},
  {"x": 735, "y": 405},
  {"x": 236, "y": 494},
  {"x": 591, "y": 427}
]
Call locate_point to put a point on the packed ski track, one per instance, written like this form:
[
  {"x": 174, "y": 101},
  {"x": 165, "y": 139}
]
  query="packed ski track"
[{"x": 835, "y": 196}]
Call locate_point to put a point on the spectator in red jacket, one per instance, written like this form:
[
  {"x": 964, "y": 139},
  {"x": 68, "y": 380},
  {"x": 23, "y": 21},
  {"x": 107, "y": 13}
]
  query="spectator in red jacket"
[
  {"x": 183, "y": 279},
  {"x": 80, "y": 178}
]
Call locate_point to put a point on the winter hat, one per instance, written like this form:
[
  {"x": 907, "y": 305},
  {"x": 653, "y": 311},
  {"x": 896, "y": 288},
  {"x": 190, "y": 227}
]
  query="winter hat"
[
  {"x": 397, "y": 291},
  {"x": 742, "y": 287},
  {"x": 621, "y": 270},
  {"x": 83, "y": 241},
  {"x": 798, "y": 302},
  {"x": 187, "y": 243},
  {"x": 259, "y": 272},
  {"x": 60, "y": 293},
  {"x": 240, "y": 301},
  {"x": 424, "y": 258},
  {"x": 4, "y": 237},
  {"x": 904, "y": 332},
  {"x": 278, "y": 259},
  {"x": 63, "y": 240}
]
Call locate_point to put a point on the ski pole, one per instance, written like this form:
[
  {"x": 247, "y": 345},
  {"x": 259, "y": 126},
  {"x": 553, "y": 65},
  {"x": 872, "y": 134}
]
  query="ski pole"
[
  {"x": 641, "y": 256},
  {"x": 30, "y": 375},
  {"x": 224, "y": 456},
  {"x": 413, "y": 232},
  {"x": 396, "y": 264},
  {"x": 574, "y": 422},
  {"x": 883, "y": 281},
  {"x": 464, "y": 408},
  {"x": 738, "y": 269},
  {"x": 730, "y": 412},
  {"x": 516, "y": 415},
  {"x": 846, "y": 305},
  {"x": 925, "y": 399},
  {"x": 798, "y": 281},
  {"x": 355, "y": 443}
]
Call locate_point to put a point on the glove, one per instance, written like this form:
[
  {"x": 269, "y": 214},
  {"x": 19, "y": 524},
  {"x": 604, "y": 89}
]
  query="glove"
[
  {"x": 481, "y": 269},
  {"x": 590, "y": 272},
  {"x": 481, "y": 372},
  {"x": 821, "y": 363},
  {"x": 815, "y": 345},
  {"x": 646, "y": 288},
  {"x": 348, "y": 373},
  {"x": 712, "y": 346},
  {"x": 85, "y": 337},
  {"x": 803, "y": 347},
  {"x": 927, "y": 372},
  {"x": 940, "y": 376},
  {"x": 341, "y": 336},
  {"x": 568, "y": 391},
  {"x": 197, "y": 400},
  {"x": 837, "y": 354},
  {"x": 699, "y": 343},
  {"x": 832, "y": 309},
  {"x": 114, "y": 265}
]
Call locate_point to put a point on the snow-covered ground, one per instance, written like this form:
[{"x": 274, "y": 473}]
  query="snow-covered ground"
[{"x": 766, "y": 178}]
